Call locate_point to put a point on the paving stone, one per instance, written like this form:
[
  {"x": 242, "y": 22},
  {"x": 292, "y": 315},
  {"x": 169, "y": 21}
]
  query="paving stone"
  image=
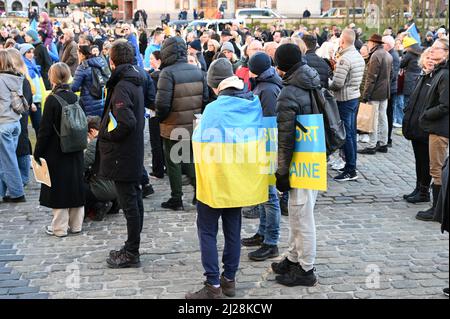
[{"x": 360, "y": 226}]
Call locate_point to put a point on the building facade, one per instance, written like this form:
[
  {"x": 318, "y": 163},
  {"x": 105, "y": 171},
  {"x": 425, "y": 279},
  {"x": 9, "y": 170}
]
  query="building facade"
[{"x": 210, "y": 7}]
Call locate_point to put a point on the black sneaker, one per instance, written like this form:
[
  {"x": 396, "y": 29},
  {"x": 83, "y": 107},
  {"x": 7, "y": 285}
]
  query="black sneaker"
[
  {"x": 20, "y": 199},
  {"x": 284, "y": 208},
  {"x": 382, "y": 149},
  {"x": 147, "y": 190},
  {"x": 123, "y": 259},
  {"x": 426, "y": 216},
  {"x": 156, "y": 176},
  {"x": 255, "y": 240},
  {"x": 263, "y": 253},
  {"x": 368, "y": 151},
  {"x": 173, "y": 204},
  {"x": 252, "y": 213},
  {"x": 283, "y": 266},
  {"x": 445, "y": 291},
  {"x": 297, "y": 277},
  {"x": 346, "y": 176}
]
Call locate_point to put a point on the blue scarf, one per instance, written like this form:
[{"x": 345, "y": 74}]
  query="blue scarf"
[{"x": 33, "y": 69}]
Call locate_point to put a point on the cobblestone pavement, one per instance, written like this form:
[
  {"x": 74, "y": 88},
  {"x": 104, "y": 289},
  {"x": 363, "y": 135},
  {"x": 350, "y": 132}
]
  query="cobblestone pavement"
[{"x": 369, "y": 246}]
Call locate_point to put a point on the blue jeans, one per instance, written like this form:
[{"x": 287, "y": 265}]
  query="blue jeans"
[
  {"x": 207, "y": 228},
  {"x": 348, "y": 111},
  {"x": 36, "y": 117},
  {"x": 269, "y": 218},
  {"x": 285, "y": 198},
  {"x": 399, "y": 104},
  {"x": 24, "y": 167},
  {"x": 10, "y": 179}
]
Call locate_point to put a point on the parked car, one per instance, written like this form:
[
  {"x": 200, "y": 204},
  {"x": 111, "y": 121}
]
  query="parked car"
[
  {"x": 258, "y": 13},
  {"x": 179, "y": 24},
  {"x": 217, "y": 25},
  {"x": 343, "y": 12},
  {"x": 18, "y": 14}
]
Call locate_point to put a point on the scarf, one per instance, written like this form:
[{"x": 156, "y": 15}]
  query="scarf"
[{"x": 33, "y": 69}]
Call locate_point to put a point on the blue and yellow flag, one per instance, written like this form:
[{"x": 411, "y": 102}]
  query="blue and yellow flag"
[
  {"x": 229, "y": 154},
  {"x": 309, "y": 162},
  {"x": 308, "y": 168},
  {"x": 112, "y": 122}
]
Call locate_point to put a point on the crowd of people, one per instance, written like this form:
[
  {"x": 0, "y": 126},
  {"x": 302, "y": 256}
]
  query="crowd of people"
[{"x": 119, "y": 76}]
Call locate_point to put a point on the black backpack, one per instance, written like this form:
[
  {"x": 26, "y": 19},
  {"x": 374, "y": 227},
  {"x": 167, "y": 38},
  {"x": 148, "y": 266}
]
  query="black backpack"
[
  {"x": 73, "y": 130},
  {"x": 323, "y": 102},
  {"x": 99, "y": 79}
]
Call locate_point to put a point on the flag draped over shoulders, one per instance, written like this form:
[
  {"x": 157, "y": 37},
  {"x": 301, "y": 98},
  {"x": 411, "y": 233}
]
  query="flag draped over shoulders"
[{"x": 229, "y": 154}]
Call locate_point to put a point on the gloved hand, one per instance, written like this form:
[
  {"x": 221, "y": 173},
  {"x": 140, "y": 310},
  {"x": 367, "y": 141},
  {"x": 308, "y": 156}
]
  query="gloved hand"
[{"x": 282, "y": 182}]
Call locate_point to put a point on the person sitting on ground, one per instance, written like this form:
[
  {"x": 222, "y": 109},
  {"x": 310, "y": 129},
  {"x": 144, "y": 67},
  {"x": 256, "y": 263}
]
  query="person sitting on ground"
[{"x": 101, "y": 193}]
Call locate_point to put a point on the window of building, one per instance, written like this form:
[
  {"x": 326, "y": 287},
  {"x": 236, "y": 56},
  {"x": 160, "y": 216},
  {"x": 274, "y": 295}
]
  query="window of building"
[
  {"x": 274, "y": 4},
  {"x": 246, "y": 3}
]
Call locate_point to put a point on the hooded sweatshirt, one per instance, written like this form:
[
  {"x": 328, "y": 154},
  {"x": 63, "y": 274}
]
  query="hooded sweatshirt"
[{"x": 9, "y": 83}]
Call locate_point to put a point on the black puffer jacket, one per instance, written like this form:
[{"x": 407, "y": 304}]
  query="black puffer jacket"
[
  {"x": 434, "y": 119},
  {"x": 412, "y": 70},
  {"x": 413, "y": 111},
  {"x": 182, "y": 89},
  {"x": 293, "y": 100},
  {"x": 120, "y": 152},
  {"x": 319, "y": 64},
  {"x": 267, "y": 86}
]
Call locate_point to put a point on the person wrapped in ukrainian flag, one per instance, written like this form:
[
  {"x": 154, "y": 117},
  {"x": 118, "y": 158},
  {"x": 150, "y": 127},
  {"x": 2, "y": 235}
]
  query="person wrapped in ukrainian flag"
[{"x": 229, "y": 155}]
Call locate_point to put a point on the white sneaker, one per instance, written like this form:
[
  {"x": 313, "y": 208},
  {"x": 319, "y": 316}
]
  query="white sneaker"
[
  {"x": 339, "y": 164},
  {"x": 396, "y": 125},
  {"x": 364, "y": 138}
]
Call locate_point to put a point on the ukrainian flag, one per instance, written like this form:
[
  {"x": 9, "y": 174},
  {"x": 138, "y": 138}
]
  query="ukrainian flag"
[{"x": 229, "y": 154}]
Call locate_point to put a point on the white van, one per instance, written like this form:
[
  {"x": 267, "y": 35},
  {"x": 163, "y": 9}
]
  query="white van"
[
  {"x": 257, "y": 13},
  {"x": 217, "y": 25},
  {"x": 343, "y": 12}
]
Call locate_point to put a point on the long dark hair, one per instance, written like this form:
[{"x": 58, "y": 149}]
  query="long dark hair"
[{"x": 85, "y": 50}]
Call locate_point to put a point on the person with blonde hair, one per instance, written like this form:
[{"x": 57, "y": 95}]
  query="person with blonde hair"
[
  {"x": 11, "y": 186},
  {"x": 66, "y": 195},
  {"x": 213, "y": 48},
  {"x": 23, "y": 150}
]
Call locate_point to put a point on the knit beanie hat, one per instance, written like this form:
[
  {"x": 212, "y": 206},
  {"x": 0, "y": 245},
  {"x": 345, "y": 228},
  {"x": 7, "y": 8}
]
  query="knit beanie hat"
[
  {"x": 227, "y": 46},
  {"x": 34, "y": 35},
  {"x": 24, "y": 48},
  {"x": 219, "y": 70},
  {"x": 259, "y": 63},
  {"x": 287, "y": 55},
  {"x": 196, "y": 44}
]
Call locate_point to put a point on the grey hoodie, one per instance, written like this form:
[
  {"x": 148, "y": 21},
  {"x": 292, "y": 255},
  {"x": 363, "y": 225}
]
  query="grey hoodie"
[{"x": 9, "y": 83}]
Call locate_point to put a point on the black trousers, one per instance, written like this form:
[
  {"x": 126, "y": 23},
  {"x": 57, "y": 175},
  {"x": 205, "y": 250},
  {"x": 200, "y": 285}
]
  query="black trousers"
[
  {"x": 130, "y": 198},
  {"x": 390, "y": 116},
  {"x": 422, "y": 156},
  {"x": 157, "y": 147}
]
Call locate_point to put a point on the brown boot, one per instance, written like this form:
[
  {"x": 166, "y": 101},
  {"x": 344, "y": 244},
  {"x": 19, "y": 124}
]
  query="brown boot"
[
  {"x": 228, "y": 287},
  {"x": 207, "y": 292}
]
